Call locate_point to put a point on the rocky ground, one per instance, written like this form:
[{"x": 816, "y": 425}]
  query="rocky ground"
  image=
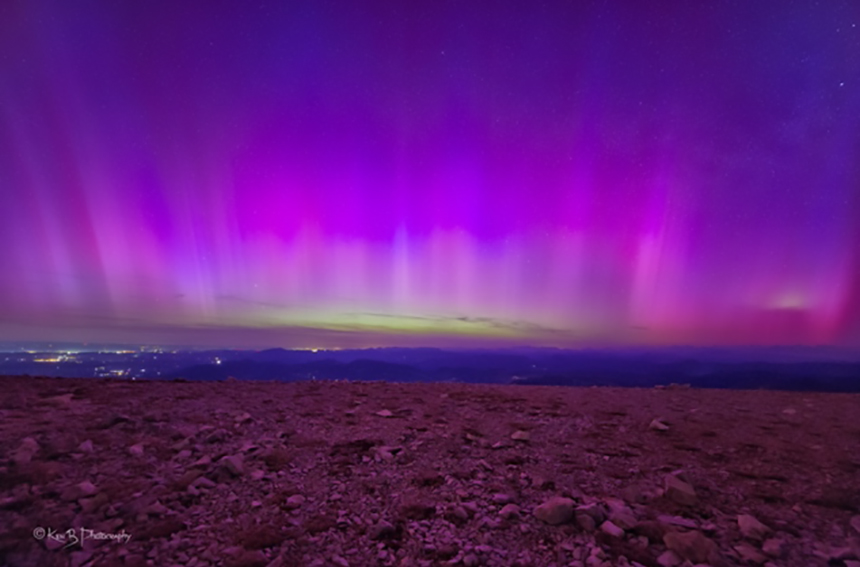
[{"x": 131, "y": 473}]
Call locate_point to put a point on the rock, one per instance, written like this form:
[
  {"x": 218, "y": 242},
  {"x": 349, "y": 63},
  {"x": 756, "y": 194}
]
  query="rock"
[
  {"x": 509, "y": 511},
  {"x": 233, "y": 464},
  {"x": 669, "y": 559},
  {"x": 690, "y": 545},
  {"x": 622, "y": 520},
  {"x": 339, "y": 561},
  {"x": 295, "y": 501},
  {"x": 457, "y": 515},
  {"x": 247, "y": 558},
  {"x": 677, "y": 521},
  {"x": 556, "y": 510},
  {"x": 841, "y": 553},
  {"x": 608, "y": 527},
  {"x": 470, "y": 560},
  {"x": 416, "y": 508},
  {"x": 156, "y": 509},
  {"x": 501, "y": 498},
  {"x": 521, "y": 435},
  {"x": 25, "y": 451},
  {"x": 585, "y": 522},
  {"x": 855, "y": 523},
  {"x": 114, "y": 420},
  {"x": 136, "y": 450},
  {"x": 653, "y": 531},
  {"x": 261, "y": 536},
  {"x": 447, "y": 551},
  {"x": 385, "y": 413},
  {"x": 773, "y": 547},
  {"x": 86, "y": 447},
  {"x": 751, "y": 528},
  {"x": 594, "y": 510},
  {"x": 750, "y": 554},
  {"x": 658, "y": 425},
  {"x": 202, "y": 462},
  {"x": 162, "y": 529},
  {"x": 679, "y": 491},
  {"x": 87, "y": 488},
  {"x": 620, "y": 514},
  {"x": 79, "y": 558},
  {"x": 383, "y": 530}
]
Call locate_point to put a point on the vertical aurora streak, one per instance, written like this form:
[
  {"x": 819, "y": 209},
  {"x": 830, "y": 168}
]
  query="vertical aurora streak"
[{"x": 376, "y": 173}]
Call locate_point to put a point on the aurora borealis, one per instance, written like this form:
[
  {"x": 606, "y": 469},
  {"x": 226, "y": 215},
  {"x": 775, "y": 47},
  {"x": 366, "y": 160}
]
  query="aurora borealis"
[{"x": 374, "y": 173}]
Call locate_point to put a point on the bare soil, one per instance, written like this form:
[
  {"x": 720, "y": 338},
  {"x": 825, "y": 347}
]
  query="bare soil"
[{"x": 241, "y": 474}]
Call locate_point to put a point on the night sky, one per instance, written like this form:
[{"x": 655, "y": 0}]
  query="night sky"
[{"x": 472, "y": 173}]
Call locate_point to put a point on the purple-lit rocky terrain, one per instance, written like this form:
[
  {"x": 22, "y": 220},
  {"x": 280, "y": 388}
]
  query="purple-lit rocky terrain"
[{"x": 102, "y": 472}]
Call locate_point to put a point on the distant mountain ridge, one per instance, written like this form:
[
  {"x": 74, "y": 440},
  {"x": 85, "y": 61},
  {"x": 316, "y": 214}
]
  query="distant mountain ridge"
[{"x": 538, "y": 367}]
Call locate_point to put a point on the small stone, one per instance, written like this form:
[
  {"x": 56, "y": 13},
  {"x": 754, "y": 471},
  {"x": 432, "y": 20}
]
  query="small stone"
[
  {"x": 25, "y": 451},
  {"x": 623, "y": 521},
  {"x": 620, "y": 514},
  {"x": 470, "y": 560},
  {"x": 385, "y": 413},
  {"x": 595, "y": 510},
  {"x": 608, "y": 527},
  {"x": 156, "y": 509},
  {"x": 87, "y": 488},
  {"x": 248, "y": 558},
  {"x": 383, "y": 530},
  {"x": 136, "y": 450},
  {"x": 751, "y": 528},
  {"x": 677, "y": 521},
  {"x": 773, "y": 547},
  {"x": 855, "y": 523},
  {"x": 233, "y": 464},
  {"x": 86, "y": 447},
  {"x": 340, "y": 561},
  {"x": 501, "y": 498},
  {"x": 78, "y": 558},
  {"x": 585, "y": 522},
  {"x": 556, "y": 510},
  {"x": 658, "y": 425},
  {"x": 690, "y": 545},
  {"x": 458, "y": 515},
  {"x": 509, "y": 511},
  {"x": 202, "y": 462},
  {"x": 650, "y": 530},
  {"x": 750, "y": 554},
  {"x": 90, "y": 505},
  {"x": 295, "y": 501},
  {"x": 669, "y": 559},
  {"x": 789, "y": 411},
  {"x": 841, "y": 553},
  {"x": 52, "y": 543},
  {"x": 521, "y": 435},
  {"x": 679, "y": 491},
  {"x": 203, "y": 482}
]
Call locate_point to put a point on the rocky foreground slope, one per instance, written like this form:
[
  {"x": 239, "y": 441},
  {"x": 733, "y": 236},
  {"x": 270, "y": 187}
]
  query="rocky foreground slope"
[{"x": 239, "y": 474}]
